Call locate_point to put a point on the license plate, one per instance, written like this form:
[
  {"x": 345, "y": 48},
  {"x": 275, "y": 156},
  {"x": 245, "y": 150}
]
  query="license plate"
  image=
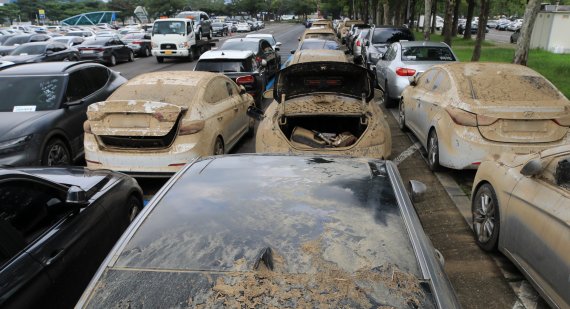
[
  {"x": 168, "y": 52},
  {"x": 130, "y": 121},
  {"x": 87, "y": 51},
  {"x": 524, "y": 126}
]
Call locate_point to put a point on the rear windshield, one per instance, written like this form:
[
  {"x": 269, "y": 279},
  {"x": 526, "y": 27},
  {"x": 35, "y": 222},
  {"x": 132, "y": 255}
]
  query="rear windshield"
[
  {"x": 223, "y": 66},
  {"x": 391, "y": 35},
  {"x": 29, "y": 50},
  {"x": 241, "y": 45},
  {"x": 324, "y": 36},
  {"x": 16, "y": 40},
  {"x": 426, "y": 53},
  {"x": 320, "y": 45},
  {"x": 32, "y": 93}
]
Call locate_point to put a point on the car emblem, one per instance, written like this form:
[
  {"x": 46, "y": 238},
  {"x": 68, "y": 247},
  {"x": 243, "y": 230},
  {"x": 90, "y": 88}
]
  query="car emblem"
[{"x": 324, "y": 67}]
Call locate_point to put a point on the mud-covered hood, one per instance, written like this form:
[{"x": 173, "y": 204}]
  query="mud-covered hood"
[
  {"x": 324, "y": 77},
  {"x": 133, "y": 117},
  {"x": 288, "y": 232}
]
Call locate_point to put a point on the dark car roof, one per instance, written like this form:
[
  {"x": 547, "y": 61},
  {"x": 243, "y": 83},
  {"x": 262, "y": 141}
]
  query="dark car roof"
[
  {"x": 43, "y": 68},
  {"x": 312, "y": 230},
  {"x": 67, "y": 176}
]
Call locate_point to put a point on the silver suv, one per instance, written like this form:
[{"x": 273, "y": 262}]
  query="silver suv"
[{"x": 202, "y": 23}]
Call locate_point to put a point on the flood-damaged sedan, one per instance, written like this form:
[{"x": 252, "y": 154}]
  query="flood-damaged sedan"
[
  {"x": 464, "y": 113},
  {"x": 324, "y": 107},
  {"x": 159, "y": 121},
  {"x": 276, "y": 231},
  {"x": 521, "y": 205}
]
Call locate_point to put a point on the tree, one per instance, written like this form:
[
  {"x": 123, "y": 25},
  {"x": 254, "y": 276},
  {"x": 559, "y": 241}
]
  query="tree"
[
  {"x": 427, "y": 20},
  {"x": 523, "y": 44},
  {"x": 469, "y": 20},
  {"x": 157, "y": 8},
  {"x": 9, "y": 11},
  {"x": 455, "y": 23},
  {"x": 481, "y": 29},
  {"x": 448, "y": 21},
  {"x": 126, "y": 8}
]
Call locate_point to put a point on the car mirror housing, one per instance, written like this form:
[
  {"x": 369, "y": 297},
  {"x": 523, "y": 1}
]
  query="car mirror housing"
[
  {"x": 242, "y": 89},
  {"x": 255, "y": 113},
  {"x": 532, "y": 168},
  {"x": 417, "y": 190},
  {"x": 413, "y": 80},
  {"x": 76, "y": 197}
]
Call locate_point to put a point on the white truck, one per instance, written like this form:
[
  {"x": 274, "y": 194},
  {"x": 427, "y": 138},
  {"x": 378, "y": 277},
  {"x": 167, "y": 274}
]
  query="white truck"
[{"x": 176, "y": 38}]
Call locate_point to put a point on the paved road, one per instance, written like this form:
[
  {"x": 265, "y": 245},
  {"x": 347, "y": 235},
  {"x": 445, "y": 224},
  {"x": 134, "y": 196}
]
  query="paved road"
[
  {"x": 498, "y": 36},
  {"x": 481, "y": 280}
]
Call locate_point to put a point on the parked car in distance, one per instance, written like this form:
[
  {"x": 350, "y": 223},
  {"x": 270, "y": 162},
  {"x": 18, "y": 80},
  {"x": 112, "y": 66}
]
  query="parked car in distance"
[
  {"x": 106, "y": 50},
  {"x": 318, "y": 33},
  {"x": 521, "y": 205},
  {"x": 260, "y": 47},
  {"x": 268, "y": 37},
  {"x": 87, "y": 34},
  {"x": 157, "y": 122},
  {"x": 139, "y": 42},
  {"x": 345, "y": 27},
  {"x": 42, "y": 52},
  {"x": 202, "y": 23},
  {"x": 405, "y": 59},
  {"x": 359, "y": 41},
  {"x": 353, "y": 33},
  {"x": 314, "y": 55},
  {"x": 259, "y": 233},
  {"x": 11, "y": 43},
  {"x": 42, "y": 122},
  {"x": 322, "y": 23},
  {"x": 220, "y": 29},
  {"x": 68, "y": 40},
  {"x": 243, "y": 27},
  {"x": 465, "y": 113},
  {"x": 323, "y": 107},
  {"x": 378, "y": 40},
  {"x": 56, "y": 227},
  {"x": 240, "y": 66},
  {"x": 318, "y": 44},
  {"x": 515, "y": 36}
]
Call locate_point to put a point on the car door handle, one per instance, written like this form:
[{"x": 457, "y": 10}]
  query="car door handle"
[{"x": 54, "y": 256}]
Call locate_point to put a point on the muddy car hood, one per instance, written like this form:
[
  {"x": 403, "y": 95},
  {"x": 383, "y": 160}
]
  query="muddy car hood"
[
  {"x": 133, "y": 117},
  {"x": 325, "y": 77}
]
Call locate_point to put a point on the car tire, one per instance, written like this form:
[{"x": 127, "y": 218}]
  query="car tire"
[
  {"x": 486, "y": 218},
  {"x": 199, "y": 35},
  {"x": 56, "y": 153},
  {"x": 388, "y": 102},
  {"x": 147, "y": 52},
  {"x": 159, "y": 59},
  {"x": 433, "y": 151},
  {"x": 113, "y": 61},
  {"x": 402, "y": 116},
  {"x": 131, "y": 56},
  {"x": 134, "y": 208},
  {"x": 210, "y": 34},
  {"x": 219, "y": 147}
]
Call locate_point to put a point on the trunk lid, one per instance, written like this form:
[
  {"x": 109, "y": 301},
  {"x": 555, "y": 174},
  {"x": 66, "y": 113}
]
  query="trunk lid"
[{"x": 133, "y": 118}]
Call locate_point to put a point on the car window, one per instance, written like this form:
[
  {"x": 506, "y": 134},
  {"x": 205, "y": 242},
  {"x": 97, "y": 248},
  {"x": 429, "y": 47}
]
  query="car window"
[
  {"x": 426, "y": 79},
  {"x": 427, "y": 53},
  {"x": 391, "y": 52},
  {"x": 222, "y": 65},
  {"x": 77, "y": 87},
  {"x": 216, "y": 91},
  {"x": 389, "y": 35},
  {"x": 96, "y": 78},
  {"x": 441, "y": 82},
  {"x": 266, "y": 47},
  {"x": 27, "y": 210},
  {"x": 232, "y": 88}
]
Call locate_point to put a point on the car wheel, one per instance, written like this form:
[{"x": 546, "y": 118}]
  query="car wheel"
[
  {"x": 113, "y": 61},
  {"x": 387, "y": 101},
  {"x": 219, "y": 147},
  {"x": 56, "y": 154},
  {"x": 159, "y": 59},
  {"x": 131, "y": 56},
  {"x": 402, "y": 116},
  {"x": 433, "y": 151},
  {"x": 210, "y": 35},
  {"x": 191, "y": 55},
  {"x": 199, "y": 35},
  {"x": 486, "y": 218},
  {"x": 147, "y": 52},
  {"x": 134, "y": 208}
]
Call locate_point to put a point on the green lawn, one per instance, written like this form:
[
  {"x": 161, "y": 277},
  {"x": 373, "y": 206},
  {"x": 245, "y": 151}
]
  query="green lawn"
[{"x": 555, "y": 67}]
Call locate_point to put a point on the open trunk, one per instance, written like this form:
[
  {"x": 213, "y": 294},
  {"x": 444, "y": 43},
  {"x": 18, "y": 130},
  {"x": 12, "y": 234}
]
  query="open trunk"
[{"x": 323, "y": 131}]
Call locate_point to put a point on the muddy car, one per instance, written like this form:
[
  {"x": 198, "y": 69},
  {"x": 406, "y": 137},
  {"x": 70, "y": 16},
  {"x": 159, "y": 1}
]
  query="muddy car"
[
  {"x": 313, "y": 55},
  {"x": 258, "y": 231},
  {"x": 464, "y": 113},
  {"x": 521, "y": 205},
  {"x": 318, "y": 33},
  {"x": 157, "y": 122},
  {"x": 324, "y": 107}
]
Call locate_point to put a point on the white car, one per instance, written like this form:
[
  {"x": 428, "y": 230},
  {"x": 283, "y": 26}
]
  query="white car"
[
  {"x": 268, "y": 37},
  {"x": 243, "y": 27}
]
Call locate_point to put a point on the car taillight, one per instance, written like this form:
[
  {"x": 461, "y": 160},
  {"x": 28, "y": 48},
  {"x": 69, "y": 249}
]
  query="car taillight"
[
  {"x": 462, "y": 117},
  {"x": 248, "y": 79},
  {"x": 358, "y": 43},
  {"x": 87, "y": 127},
  {"x": 136, "y": 42},
  {"x": 258, "y": 59},
  {"x": 563, "y": 121},
  {"x": 405, "y": 72},
  {"x": 191, "y": 126}
]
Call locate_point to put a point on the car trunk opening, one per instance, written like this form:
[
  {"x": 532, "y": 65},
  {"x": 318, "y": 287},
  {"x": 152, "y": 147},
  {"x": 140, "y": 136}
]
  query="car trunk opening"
[{"x": 319, "y": 131}]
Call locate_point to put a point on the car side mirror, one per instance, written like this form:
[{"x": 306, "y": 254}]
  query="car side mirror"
[
  {"x": 76, "y": 198},
  {"x": 255, "y": 113},
  {"x": 263, "y": 63},
  {"x": 417, "y": 190},
  {"x": 532, "y": 168},
  {"x": 413, "y": 80},
  {"x": 242, "y": 90}
]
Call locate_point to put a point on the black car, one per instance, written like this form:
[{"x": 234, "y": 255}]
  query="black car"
[
  {"x": 240, "y": 66},
  {"x": 139, "y": 42},
  {"x": 106, "y": 50},
  {"x": 220, "y": 29},
  {"x": 262, "y": 50},
  {"x": 42, "y": 122},
  {"x": 56, "y": 227},
  {"x": 249, "y": 231},
  {"x": 16, "y": 40},
  {"x": 42, "y": 52}
]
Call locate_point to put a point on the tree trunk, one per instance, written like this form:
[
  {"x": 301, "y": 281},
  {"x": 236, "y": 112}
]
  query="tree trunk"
[
  {"x": 455, "y": 18},
  {"x": 434, "y": 14},
  {"x": 387, "y": 14},
  {"x": 470, "y": 10},
  {"x": 379, "y": 15},
  {"x": 448, "y": 22},
  {"x": 366, "y": 12},
  {"x": 523, "y": 44},
  {"x": 427, "y": 20},
  {"x": 412, "y": 14},
  {"x": 485, "y": 5},
  {"x": 375, "y": 11}
]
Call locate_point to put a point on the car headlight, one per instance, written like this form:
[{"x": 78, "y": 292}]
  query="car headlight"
[
  {"x": 15, "y": 144},
  {"x": 183, "y": 45}
]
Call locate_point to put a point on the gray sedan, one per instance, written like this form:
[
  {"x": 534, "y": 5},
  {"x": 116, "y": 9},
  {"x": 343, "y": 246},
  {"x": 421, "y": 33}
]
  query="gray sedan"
[{"x": 405, "y": 59}]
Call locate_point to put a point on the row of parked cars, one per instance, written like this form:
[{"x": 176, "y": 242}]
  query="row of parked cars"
[{"x": 508, "y": 122}]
